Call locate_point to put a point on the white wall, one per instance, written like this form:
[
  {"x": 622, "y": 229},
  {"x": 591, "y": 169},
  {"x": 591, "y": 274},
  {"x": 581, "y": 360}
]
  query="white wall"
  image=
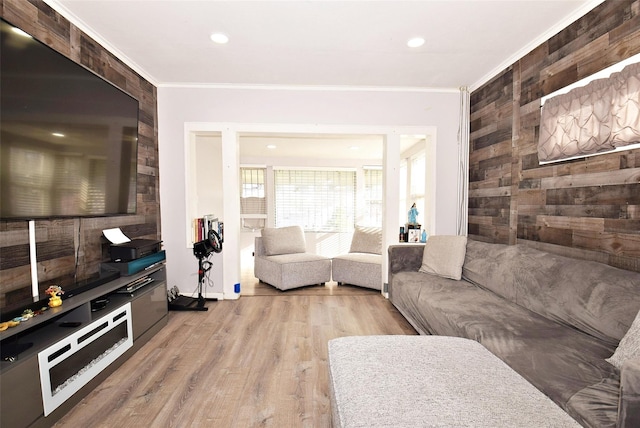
[
  {"x": 207, "y": 199},
  {"x": 178, "y": 106}
]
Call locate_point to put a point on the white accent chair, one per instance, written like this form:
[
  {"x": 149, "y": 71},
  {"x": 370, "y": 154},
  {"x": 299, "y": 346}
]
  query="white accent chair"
[
  {"x": 362, "y": 266},
  {"x": 282, "y": 260}
]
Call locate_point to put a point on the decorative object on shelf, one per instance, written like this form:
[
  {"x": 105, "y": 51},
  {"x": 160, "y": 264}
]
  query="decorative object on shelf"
[
  {"x": 424, "y": 236},
  {"x": 412, "y": 232},
  {"x": 41, "y": 311},
  {"x": 6, "y": 325},
  {"x": 413, "y": 235},
  {"x": 26, "y": 315},
  {"x": 54, "y": 291},
  {"x": 413, "y": 214}
]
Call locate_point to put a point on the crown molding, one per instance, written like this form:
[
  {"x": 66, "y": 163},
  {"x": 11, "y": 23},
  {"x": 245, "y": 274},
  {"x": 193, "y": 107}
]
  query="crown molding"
[
  {"x": 62, "y": 10},
  {"x": 570, "y": 19},
  {"x": 336, "y": 88}
]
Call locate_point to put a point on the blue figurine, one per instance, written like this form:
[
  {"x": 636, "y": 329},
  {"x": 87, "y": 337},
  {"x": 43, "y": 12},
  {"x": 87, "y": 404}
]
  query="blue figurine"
[{"x": 413, "y": 214}]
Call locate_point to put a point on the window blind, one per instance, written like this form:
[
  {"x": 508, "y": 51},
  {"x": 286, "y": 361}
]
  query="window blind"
[
  {"x": 316, "y": 200},
  {"x": 372, "y": 197},
  {"x": 417, "y": 183},
  {"x": 404, "y": 181},
  {"x": 253, "y": 203}
]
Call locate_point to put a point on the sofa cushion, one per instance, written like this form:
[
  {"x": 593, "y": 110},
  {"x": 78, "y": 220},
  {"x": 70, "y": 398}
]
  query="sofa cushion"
[
  {"x": 559, "y": 360},
  {"x": 444, "y": 255},
  {"x": 593, "y": 297},
  {"x": 366, "y": 240},
  {"x": 629, "y": 347},
  {"x": 283, "y": 240},
  {"x": 629, "y": 410}
]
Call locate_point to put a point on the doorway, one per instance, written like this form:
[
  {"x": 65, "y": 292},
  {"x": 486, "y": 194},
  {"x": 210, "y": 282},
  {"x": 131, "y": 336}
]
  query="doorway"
[{"x": 236, "y": 140}]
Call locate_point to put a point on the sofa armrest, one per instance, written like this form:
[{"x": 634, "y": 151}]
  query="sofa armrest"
[
  {"x": 629, "y": 404},
  {"x": 405, "y": 257}
]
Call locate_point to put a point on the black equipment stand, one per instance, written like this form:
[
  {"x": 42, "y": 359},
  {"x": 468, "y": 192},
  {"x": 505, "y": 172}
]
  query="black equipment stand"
[
  {"x": 201, "y": 250},
  {"x": 184, "y": 303}
]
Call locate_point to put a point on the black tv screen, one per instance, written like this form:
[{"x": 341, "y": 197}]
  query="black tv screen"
[{"x": 68, "y": 143}]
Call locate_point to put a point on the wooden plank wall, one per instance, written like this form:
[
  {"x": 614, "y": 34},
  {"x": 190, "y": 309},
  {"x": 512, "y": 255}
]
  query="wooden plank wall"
[
  {"x": 588, "y": 208},
  {"x": 63, "y": 244}
]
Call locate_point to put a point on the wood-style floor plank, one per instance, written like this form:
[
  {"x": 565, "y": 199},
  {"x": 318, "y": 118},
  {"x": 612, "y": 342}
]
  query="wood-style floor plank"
[{"x": 259, "y": 361}]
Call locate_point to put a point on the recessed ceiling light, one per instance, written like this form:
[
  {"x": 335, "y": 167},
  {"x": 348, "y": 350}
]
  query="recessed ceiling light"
[
  {"x": 416, "y": 42},
  {"x": 57, "y": 134},
  {"x": 271, "y": 146},
  {"x": 220, "y": 38}
]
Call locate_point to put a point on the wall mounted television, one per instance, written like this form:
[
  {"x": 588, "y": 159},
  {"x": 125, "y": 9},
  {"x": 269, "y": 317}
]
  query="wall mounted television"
[{"x": 68, "y": 144}]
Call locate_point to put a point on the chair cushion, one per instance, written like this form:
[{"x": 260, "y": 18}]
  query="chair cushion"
[
  {"x": 283, "y": 240},
  {"x": 366, "y": 240},
  {"x": 361, "y": 269}
]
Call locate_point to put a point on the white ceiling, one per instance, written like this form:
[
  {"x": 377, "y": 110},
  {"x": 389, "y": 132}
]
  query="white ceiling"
[
  {"x": 326, "y": 43},
  {"x": 355, "y": 43}
]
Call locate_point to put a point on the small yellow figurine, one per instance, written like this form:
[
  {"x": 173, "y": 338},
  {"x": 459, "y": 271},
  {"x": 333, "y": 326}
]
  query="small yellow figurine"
[{"x": 54, "y": 291}]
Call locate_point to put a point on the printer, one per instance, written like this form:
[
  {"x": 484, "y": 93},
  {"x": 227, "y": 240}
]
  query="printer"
[{"x": 134, "y": 249}]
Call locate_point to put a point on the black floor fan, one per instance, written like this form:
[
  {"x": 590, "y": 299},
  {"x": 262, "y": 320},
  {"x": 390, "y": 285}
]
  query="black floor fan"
[{"x": 202, "y": 250}]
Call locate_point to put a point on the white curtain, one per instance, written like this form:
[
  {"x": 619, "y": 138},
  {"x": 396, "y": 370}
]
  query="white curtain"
[
  {"x": 598, "y": 117},
  {"x": 462, "y": 217}
]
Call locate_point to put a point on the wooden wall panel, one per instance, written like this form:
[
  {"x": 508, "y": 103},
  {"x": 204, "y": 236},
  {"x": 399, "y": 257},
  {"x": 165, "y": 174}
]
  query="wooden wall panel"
[
  {"x": 490, "y": 159},
  {"x": 73, "y": 249},
  {"x": 586, "y": 208}
]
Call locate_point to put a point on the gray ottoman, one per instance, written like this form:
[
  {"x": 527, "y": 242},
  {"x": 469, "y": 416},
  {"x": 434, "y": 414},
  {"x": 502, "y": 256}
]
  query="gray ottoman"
[{"x": 431, "y": 381}]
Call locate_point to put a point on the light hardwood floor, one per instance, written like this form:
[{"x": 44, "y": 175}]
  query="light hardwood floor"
[{"x": 257, "y": 361}]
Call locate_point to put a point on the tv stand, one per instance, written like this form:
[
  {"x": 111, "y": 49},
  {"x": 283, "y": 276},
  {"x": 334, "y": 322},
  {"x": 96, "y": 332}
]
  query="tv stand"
[{"x": 53, "y": 360}]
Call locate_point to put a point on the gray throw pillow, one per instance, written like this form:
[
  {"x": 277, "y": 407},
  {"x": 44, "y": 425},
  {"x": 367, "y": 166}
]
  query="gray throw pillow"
[
  {"x": 283, "y": 240},
  {"x": 444, "y": 255},
  {"x": 629, "y": 346},
  {"x": 366, "y": 240}
]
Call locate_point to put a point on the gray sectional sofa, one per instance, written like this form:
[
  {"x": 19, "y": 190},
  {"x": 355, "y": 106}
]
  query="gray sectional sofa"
[{"x": 555, "y": 320}]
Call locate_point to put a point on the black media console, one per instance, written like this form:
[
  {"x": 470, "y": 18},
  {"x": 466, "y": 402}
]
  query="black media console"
[{"x": 53, "y": 360}]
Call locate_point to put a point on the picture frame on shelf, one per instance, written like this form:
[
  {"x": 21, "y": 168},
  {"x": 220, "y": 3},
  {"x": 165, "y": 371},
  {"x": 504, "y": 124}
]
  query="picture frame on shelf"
[{"x": 414, "y": 235}]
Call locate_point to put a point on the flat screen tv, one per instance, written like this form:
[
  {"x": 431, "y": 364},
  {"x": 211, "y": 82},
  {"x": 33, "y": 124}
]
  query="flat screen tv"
[{"x": 68, "y": 143}]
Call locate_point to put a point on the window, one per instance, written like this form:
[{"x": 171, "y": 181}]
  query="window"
[
  {"x": 372, "y": 197},
  {"x": 316, "y": 200},
  {"x": 413, "y": 185},
  {"x": 403, "y": 191},
  {"x": 253, "y": 203},
  {"x": 417, "y": 183}
]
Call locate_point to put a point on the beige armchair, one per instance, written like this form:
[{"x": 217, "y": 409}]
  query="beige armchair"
[
  {"x": 282, "y": 260},
  {"x": 362, "y": 266}
]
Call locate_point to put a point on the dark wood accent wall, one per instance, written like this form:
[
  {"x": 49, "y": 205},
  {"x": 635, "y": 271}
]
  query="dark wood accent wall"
[
  {"x": 588, "y": 208},
  {"x": 64, "y": 244}
]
